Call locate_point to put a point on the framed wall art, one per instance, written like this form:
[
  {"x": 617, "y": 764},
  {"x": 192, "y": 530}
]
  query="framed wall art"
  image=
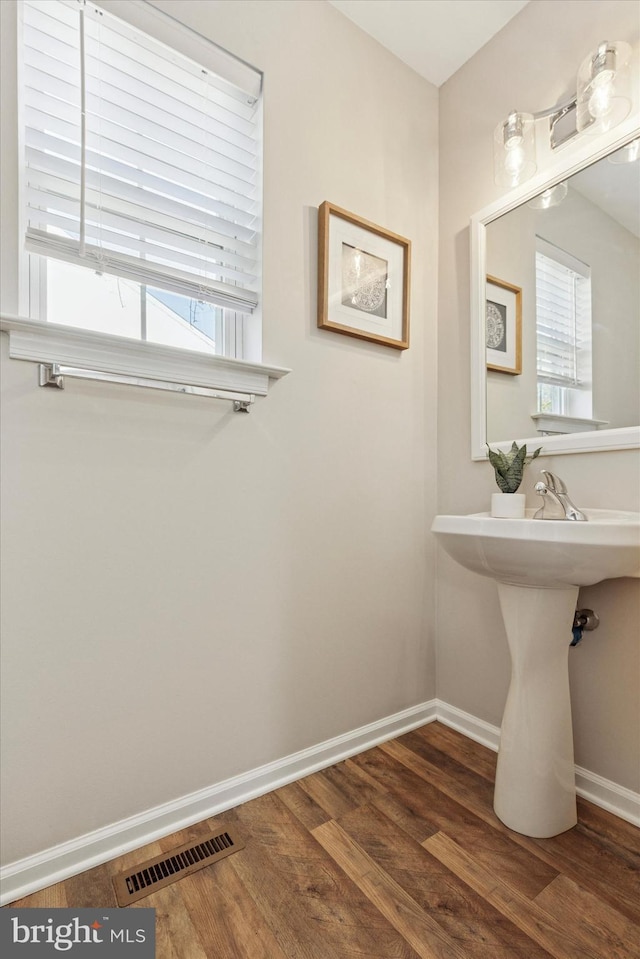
[
  {"x": 363, "y": 278},
  {"x": 503, "y": 326}
]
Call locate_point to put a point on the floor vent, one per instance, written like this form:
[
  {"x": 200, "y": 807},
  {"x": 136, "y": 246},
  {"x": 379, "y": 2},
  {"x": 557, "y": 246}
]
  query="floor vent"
[{"x": 180, "y": 862}]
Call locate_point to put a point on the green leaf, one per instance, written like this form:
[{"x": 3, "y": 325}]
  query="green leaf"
[
  {"x": 509, "y": 467},
  {"x": 497, "y": 458}
]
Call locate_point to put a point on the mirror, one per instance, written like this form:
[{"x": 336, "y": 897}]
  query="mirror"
[{"x": 556, "y": 310}]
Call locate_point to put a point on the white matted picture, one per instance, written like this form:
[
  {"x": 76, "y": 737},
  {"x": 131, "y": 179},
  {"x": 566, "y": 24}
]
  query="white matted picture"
[
  {"x": 503, "y": 326},
  {"x": 363, "y": 278}
]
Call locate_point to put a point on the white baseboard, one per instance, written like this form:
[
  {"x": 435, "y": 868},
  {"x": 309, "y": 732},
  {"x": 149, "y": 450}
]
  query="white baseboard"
[
  {"x": 53, "y": 865},
  {"x": 468, "y": 725},
  {"x": 602, "y": 792},
  {"x": 618, "y": 800},
  {"x": 36, "y": 872}
]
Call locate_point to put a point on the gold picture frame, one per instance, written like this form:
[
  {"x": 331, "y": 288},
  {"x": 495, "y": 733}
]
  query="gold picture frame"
[
  {"x": 363, "y": 278},
  {"x": 503, "y": 326}
]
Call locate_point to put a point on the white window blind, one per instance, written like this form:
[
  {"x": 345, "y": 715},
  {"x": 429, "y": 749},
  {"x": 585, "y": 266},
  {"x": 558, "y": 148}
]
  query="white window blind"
[
  {"x": 563, "y": 316},
  {"x": 140, "y": 162}
]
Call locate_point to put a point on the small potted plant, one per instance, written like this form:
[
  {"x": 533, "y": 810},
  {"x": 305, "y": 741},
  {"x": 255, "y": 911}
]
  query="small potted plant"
[{"x": 509, "y": 469}]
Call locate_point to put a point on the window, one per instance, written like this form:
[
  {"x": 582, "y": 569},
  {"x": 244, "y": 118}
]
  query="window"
[
  {"x": 563, "y": 329},
  {"x": 141, "y": 178}
]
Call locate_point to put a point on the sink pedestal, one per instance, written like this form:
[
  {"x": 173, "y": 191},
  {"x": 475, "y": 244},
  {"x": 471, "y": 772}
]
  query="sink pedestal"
[
  {"x": 535, "y": 790},
  {"x": 539, "y": 566}
]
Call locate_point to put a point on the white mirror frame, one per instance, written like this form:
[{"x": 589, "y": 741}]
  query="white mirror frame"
[{"x": 572, "y": 159}]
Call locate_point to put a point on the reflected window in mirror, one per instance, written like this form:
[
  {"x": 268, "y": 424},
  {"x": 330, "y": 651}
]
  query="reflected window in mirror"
[{"x": 563, "y": 333}]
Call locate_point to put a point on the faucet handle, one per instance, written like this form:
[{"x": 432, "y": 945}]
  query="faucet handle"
[
  {"x": 551, "y": 506},
  {"x": 553, "y": 482}
]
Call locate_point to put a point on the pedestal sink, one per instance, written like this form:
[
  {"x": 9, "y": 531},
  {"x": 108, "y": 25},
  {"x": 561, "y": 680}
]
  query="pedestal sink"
[{"x": 539, "y": 566}]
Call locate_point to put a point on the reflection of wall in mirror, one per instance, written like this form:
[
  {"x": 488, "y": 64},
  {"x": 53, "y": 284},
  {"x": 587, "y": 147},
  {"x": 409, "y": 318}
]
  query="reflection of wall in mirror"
[{"x": 581, "y": 228}]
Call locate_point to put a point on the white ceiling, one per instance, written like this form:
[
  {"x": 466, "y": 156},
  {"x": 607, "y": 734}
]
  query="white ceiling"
[{"x": 435, "y": 37}]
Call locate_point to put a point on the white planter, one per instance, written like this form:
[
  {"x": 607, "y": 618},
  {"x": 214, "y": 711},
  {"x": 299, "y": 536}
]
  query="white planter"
[{"x": 508, "y": 505}]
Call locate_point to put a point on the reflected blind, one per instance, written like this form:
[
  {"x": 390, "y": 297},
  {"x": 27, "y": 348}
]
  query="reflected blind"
[
  {"x": 563, "y": 319},
  {"x": 139, "y": 161}
]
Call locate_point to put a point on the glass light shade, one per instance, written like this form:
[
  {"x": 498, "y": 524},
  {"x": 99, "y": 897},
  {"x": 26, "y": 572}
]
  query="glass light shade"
[
  {"x": 551, "y": 197},
  {"x": 627, "y": 154},
  {"x": 514, "y": 150},
  {"x": 604, "y": 87}
]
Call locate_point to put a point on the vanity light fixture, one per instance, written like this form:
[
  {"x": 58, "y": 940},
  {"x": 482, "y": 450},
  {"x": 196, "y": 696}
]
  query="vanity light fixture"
[{"x": 602, "y": 100}]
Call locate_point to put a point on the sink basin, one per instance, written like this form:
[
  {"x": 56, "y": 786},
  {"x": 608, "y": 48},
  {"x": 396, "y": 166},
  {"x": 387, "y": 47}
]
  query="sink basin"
[
  {"x": 539, "y": 566},
  {"x": 546, "y": 553}
]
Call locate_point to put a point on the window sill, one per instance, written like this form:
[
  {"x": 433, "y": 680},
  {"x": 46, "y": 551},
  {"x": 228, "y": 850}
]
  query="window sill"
[
  {"x": 552, "y": 423},
  {"x": 52, "y": 344}
]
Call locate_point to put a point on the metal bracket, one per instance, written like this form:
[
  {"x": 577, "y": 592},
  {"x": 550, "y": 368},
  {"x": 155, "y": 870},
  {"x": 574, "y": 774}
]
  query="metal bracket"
[
  {"x": 562, "y": 125},
  {"x": 562, "y": 122},
  {"x": 53, "y": 374},
  {"x": 50, "y": 375}
]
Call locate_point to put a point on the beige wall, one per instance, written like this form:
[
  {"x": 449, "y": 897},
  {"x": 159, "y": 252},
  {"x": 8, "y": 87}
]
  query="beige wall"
[
  {"x": 189, "y": 594},
  {"x": 530, "y": 65}
]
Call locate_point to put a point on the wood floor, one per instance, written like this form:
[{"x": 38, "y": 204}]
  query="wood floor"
[{"x": 394, "y": 854}]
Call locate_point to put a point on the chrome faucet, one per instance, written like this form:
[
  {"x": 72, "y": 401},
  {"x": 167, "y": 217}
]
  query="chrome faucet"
[{"x": 556, "y": 502}]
